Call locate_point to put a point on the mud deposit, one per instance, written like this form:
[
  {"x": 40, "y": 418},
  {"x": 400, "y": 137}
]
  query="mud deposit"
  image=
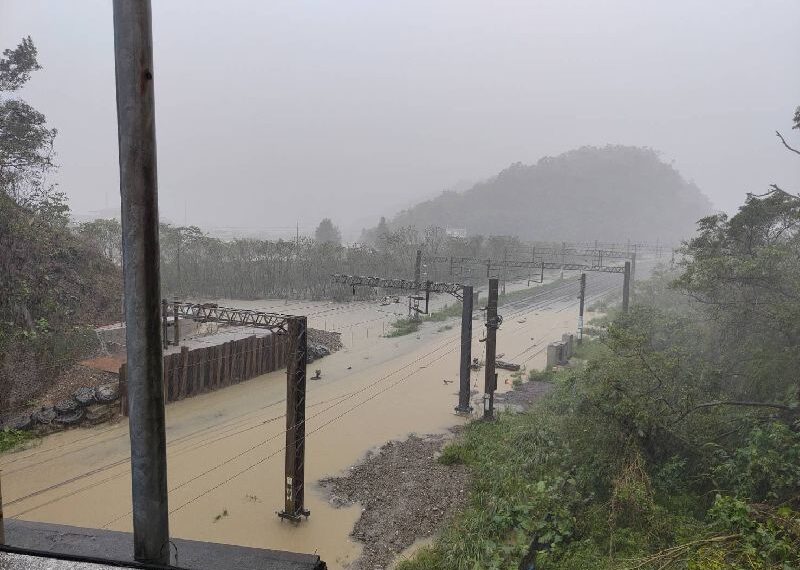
[
  {"x": 523, "y": 395},
  {"x": 405, "y": 494}
]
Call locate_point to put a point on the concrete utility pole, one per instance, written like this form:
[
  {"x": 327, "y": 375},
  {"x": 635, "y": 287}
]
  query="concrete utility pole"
[
  {"x": 626, "y": 287},
  {"x": 296, "y": 420},
  {"x": 490, "y": 381},
  {"x": 580, "y": 309},
  {"x": 466, "y": 350},
  {"x": 133, "y": 54}
]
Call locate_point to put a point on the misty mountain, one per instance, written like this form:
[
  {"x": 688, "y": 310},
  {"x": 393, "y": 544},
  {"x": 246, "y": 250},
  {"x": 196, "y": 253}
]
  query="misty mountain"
[{"x": 611, "y": 193}]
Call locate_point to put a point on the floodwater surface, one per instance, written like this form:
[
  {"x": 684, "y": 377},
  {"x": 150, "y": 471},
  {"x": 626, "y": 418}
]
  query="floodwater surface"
[{"x": 225, "y": 449}]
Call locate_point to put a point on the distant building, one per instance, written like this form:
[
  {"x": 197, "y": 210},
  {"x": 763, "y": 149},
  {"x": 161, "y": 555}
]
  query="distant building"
[{"x": 456, "y": 232}]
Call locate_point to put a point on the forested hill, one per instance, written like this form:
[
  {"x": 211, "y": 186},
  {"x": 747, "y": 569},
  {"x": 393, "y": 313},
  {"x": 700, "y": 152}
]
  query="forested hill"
[{"x": 611, "y": 194}]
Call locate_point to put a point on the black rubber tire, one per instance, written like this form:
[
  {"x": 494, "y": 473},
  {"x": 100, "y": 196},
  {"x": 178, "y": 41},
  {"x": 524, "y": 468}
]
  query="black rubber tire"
[
  {"x": 84, "y": 396},
  {"x": 107, "y": 393},
  {"x": 45, "y": 416},
  {"x": 71, "y": 418},
  {"x": 65, "y": 407},
  {"x": 20, "y": 423}
]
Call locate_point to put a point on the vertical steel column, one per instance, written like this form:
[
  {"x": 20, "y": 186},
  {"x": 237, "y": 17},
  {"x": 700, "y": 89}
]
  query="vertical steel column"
[
  {"x": 505, "y": 269},
  {"x": 580, "y": 308},
  {"x": 133, "y": 54},
  {"x": 176, "y": 324},
  {"x": 164, "y": 324},
  {"x": 466, "y": 350},
  {"x": 417, "y": 277},
  {"x": 490, "y": 381},
  {"x": 2, "y": 524},
  {"x": 294, "y": 506},
  {"x": 626, "y": 287}
]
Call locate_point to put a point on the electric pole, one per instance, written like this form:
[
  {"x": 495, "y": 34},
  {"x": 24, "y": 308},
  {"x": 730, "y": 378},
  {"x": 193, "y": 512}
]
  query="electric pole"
[
  {"x": 505, "y": 269},
  {"x": 294, "y": 506},
  {"x": 417, "y": 277},
  {"x": 580, "y": 309},
  {"x": 492, "y": 324},
  {"x": 626, "y": 287},
  {"x": 133, "y": 59},
  {"x": 466, "y": 350}
]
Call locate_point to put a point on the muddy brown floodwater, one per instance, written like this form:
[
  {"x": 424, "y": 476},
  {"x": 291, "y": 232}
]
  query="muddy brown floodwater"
[{"x": 225, "y": 449}]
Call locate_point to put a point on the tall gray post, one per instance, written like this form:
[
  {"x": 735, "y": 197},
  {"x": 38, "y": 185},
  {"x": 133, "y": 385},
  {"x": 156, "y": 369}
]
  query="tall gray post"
[
  {"x": 2, "y": 524},
  {"x": 580, "y": 308},
  {"x": 133, "y": 54},
  {"x": 626, "y": 287},
  {"x": 466, "y": 350},
  {"x": 176, "y": 323},
  {"x": 490, "y": 381},
  {"x": 294, "y": 506},
  {"x": 164, "y": 324},
  {"x": 413, "y": 313},
  {"x": 505, "y": 269}
]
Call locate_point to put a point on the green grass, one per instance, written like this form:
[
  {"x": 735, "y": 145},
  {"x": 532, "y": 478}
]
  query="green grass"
[
  {"x": 12, "y": 439},
  {"x": 402, "y": 327}
]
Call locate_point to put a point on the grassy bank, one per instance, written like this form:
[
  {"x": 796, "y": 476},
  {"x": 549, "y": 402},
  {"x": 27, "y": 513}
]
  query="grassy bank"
[
  {"x": 600, "y": 474},
  {"x": 13, "y": 439}
]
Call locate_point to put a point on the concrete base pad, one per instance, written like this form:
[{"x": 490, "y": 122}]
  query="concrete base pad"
[{"x": 118, "y": 546}]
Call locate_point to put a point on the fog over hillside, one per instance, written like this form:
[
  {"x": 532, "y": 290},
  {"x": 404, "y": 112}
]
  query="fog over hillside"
[{"x": 610, "y": 193}]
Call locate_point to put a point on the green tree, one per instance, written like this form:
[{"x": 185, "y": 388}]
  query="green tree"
[
  {"x": 326, "y": 232},
  {"x": 26, "y": 142}
]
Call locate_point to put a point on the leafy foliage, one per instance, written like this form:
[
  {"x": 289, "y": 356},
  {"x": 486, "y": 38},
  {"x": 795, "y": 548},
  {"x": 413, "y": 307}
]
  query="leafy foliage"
[
  {"x": 675, "y": 444},
  {"x": 326, "y": 232},
  {"x": 11, "y": 439},
  {"x": 54, "y": 283}
]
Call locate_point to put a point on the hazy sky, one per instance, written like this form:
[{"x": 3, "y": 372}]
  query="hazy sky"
[{"x": 272, "y": 112}]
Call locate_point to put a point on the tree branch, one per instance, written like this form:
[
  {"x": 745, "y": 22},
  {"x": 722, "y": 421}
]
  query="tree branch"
[
  {"x": 745, "y": 403},
  {"x": 780, "y": 136}
]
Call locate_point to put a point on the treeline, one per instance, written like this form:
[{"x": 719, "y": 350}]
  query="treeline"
[
  {"x": 611, "y": 193},
  {"x": 675, "y": 444},
  {"x": 194, "y": 263}
]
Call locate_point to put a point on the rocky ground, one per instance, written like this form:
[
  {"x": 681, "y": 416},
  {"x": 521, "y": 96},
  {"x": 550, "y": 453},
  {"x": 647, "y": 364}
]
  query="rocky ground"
[
  {"x": 405, "y": 494},
  {"x": 523, "y": 395}
]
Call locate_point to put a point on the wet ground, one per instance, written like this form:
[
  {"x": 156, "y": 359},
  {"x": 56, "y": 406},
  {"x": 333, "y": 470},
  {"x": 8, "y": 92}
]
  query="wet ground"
[
  {"x": 405, "y": 495},
  {"x": 225, "y": 449},
  {"x": 21, "y": 562}
]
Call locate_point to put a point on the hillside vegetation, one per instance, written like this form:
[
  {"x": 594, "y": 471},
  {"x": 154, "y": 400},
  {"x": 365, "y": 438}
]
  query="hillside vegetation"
[
  {"x": 55, "y": 284},
  {"x": 611, "y": 193},
  {"x": 674, "y": 444}
]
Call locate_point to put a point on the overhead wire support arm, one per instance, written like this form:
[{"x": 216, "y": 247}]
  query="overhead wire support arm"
[
  {"x": 212, "y": 313},
  {"x": 454, "y": 289}
]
